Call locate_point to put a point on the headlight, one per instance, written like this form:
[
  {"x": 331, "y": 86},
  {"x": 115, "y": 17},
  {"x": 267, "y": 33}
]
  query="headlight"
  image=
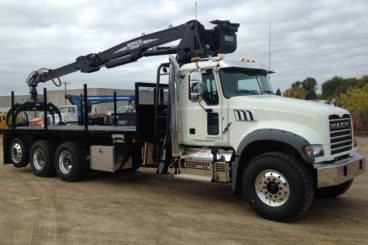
[{"x": 313, "y": 151}]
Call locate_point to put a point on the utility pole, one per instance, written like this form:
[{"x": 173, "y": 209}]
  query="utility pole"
[
  {"x": 269, "y": 49},
  {"x": 65, "y": 83}
]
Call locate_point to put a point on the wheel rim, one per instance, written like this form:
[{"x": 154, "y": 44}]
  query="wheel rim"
[
  {"x": 16, "y": 153},
  {"x": 272, "y": 188},
  {"x": 65, "y": 162},
  {"x": 39, "y": 161}
]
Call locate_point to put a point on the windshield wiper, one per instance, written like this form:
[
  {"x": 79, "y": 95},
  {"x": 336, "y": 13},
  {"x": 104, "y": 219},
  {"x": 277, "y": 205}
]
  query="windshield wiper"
[
  {"x": 267, "y": 92},
  {"x": 246, "y": 91}
]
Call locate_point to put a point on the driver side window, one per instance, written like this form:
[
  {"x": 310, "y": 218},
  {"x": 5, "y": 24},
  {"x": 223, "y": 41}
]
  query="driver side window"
[{"x": 209, "y": 89}]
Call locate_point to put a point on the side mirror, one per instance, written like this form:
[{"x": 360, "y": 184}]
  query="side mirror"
[{"x": 195, "y": 86}]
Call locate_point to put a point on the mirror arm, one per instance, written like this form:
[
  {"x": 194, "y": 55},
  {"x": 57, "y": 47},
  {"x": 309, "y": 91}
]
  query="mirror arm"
[{"x": 208, "y": 110}]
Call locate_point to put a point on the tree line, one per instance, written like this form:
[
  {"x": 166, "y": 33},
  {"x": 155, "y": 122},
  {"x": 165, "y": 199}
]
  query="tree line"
[{"x": 349, "y": 93}]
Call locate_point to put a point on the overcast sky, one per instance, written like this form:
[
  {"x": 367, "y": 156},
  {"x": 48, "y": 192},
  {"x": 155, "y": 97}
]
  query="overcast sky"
[{"x": 309, "y": 38}]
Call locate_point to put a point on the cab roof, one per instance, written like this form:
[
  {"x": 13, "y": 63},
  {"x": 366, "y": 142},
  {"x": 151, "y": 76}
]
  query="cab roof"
[{"x": 222, "y": 63}]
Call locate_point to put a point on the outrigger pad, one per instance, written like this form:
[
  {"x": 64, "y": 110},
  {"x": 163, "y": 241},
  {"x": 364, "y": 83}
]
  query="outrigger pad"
[{"x": 32, "y": 106}]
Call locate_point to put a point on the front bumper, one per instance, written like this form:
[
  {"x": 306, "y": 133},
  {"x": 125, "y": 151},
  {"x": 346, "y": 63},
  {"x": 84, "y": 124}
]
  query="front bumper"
[{"x": 340, "y": 171}]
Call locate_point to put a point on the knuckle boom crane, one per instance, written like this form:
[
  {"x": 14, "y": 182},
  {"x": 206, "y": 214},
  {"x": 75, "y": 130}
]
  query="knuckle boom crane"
[{"x": 195, "y": 41}]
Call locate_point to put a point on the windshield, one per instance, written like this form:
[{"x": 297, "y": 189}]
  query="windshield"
[
  {"x": 125, "y": 109},
  {"x": 63, "y": 109},
  {"x": 240, "y": 82}
]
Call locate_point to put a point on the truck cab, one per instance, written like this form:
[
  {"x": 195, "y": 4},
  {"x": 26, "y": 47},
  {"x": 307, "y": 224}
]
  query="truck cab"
[
  {"x": 125, "y": 115},
  {"x": 232, "y": 128},
  {"x": 219, "y": 101},
  {"x": 69, "y": 113}
]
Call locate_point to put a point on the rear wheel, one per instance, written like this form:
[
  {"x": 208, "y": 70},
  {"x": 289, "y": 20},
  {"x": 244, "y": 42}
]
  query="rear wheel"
[
  {"x": 18, "y": 153},
  {"x": 69, "y": 164},
  {"x": 334, "y": 191},
  {"x": 278, "y": 186},
  {"x": 42, "y": 158}
]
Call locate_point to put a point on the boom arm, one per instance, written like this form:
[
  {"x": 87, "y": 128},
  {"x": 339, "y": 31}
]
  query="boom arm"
[{"x": 195, "y": 40}]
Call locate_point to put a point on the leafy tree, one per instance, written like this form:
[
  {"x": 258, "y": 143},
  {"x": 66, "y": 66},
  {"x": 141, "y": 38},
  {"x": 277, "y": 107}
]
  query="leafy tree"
[
  {"x": 296, "y": 92},
  {"x": 330, "y": 87},
  {"x": 356, "y": 101},
  {"x": 278, "y": 92},
  {"x": 296, "y": 84},
  {"x": 303, "y": 90},
  {"x": 362, "y": 82},
  {"x": 337, "y": 85},
  {"x": 310, "y": 85}
]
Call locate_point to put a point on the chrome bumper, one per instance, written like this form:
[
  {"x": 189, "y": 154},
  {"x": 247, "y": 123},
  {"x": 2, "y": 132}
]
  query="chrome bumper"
[{"x": 340, "y": 171}]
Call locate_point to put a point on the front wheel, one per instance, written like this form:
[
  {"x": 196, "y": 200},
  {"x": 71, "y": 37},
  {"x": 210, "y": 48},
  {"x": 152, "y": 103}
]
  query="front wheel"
[
  {"x": 334, "y": 191},
  {"x": 278, "y": 186}
]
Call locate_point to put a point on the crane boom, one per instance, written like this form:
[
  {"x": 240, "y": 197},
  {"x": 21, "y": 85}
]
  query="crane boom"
[{"x": 195, "y": 40}]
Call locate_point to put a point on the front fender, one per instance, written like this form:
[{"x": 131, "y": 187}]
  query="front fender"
[{"x": 269, "y": 134}]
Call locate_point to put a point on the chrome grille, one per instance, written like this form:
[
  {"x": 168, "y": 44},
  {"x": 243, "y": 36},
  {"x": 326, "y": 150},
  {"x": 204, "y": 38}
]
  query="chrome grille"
[
  {"x": 197, "y": 165},
  {"x": 340, "y": 133}
]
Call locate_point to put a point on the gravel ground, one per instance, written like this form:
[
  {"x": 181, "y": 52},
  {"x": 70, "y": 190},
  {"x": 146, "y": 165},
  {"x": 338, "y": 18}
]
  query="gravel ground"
[{"x": 141, "y": 208}]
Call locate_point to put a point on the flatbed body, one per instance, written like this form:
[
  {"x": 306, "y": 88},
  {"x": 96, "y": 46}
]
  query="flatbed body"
[
  {"x": 74, "y": 128},
  {"x": 94, "y": 134}
]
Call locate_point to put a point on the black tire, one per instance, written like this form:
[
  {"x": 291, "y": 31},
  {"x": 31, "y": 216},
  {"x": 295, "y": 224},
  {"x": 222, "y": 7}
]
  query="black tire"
[
  {"x": 284, "y": 184},
  {"x": 42, "y": 156},
  {"x": 69, "y": 163},
  {"x": 18, "y": 152},
  {"x": 334, "y": 191}
]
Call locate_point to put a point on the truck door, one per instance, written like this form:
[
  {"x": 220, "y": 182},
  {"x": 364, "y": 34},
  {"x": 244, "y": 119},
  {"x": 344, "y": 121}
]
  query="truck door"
[
  {"x": 204, "y": 107},
  {"x": 72, "y": 114}
]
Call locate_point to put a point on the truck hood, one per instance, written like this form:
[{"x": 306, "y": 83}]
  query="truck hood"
[
  {"x": 307, "y": 119},
  {"x": 282, "y": 105}
]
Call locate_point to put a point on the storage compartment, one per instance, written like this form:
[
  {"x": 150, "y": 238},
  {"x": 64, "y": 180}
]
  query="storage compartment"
[
  {"x": 221, "y": 172},
  {"x": 109, "y": 158}
]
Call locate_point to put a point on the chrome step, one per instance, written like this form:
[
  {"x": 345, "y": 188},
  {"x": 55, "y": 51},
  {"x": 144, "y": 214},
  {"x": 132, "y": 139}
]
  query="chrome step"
[{"x": 194, "y": 177}]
